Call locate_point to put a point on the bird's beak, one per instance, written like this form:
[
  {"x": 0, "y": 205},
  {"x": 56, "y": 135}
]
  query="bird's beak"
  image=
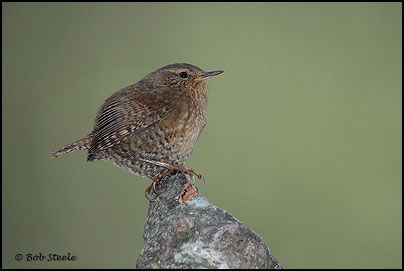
[{"x": 208, "y": 75}]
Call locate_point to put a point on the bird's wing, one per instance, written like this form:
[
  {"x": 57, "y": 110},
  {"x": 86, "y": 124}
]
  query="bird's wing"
[{"x": 128, "y": 114}]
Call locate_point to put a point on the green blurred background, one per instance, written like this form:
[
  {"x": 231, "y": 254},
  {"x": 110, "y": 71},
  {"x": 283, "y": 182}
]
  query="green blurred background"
[{"x": 303, "y": 141}]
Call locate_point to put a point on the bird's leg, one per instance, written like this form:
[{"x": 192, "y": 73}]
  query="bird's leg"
[
  {"x": 181, "y": 168},
  {"x": 170, "y": 169}
]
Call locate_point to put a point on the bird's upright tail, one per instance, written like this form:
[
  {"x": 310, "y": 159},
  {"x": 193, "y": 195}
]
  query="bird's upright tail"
[{"x": 81, "y": 144}]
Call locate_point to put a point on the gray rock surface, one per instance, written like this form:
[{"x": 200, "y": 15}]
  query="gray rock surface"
[{"x": 197, "y": 234}]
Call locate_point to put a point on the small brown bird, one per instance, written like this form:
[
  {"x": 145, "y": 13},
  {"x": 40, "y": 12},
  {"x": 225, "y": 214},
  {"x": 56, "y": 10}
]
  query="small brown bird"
[{"x": 151, "y": 127}]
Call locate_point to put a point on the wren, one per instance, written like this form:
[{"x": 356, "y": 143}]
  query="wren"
[{"x": 150, "y": 128}]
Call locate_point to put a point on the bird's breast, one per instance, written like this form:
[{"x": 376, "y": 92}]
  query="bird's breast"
[{"x": 180, "y": 131}]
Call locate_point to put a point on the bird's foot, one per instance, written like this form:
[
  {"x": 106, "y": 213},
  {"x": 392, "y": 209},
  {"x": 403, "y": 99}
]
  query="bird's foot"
[
  {"x": 156, "y": 180},
  {"x": 170, "y": 169}
]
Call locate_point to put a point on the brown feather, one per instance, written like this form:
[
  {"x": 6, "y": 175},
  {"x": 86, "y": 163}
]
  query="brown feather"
[{"x": 131, "y": 114}]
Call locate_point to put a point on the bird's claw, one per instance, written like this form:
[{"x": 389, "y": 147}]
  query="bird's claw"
[
  {"x": 148, "y": 194},
  {"x": 193, "y": 174}
]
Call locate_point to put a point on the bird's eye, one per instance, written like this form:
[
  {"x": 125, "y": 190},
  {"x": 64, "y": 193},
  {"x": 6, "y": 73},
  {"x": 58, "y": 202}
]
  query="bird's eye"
[{"x": 183, "y": 74}]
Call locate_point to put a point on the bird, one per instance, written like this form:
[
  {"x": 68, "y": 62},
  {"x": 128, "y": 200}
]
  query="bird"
[{"x": 150, "y": 128}]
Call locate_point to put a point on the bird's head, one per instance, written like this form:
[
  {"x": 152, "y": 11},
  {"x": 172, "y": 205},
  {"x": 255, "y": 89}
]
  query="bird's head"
[{"x": 183, "y": 77}]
